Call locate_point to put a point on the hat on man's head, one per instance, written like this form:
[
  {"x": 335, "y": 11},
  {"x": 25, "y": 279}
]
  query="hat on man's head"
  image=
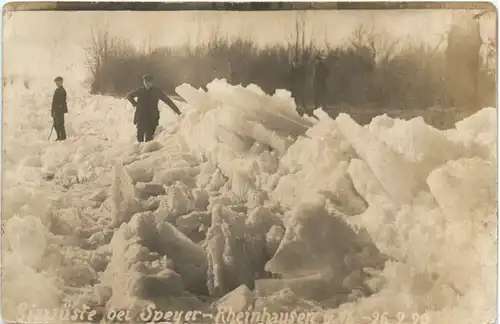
[
  {"x": 58, "y": 78},
  {"x": 147, "y": 77}
]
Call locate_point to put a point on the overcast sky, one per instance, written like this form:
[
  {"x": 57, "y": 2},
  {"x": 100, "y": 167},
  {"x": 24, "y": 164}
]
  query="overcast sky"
[{"x": 37, "y": 40}]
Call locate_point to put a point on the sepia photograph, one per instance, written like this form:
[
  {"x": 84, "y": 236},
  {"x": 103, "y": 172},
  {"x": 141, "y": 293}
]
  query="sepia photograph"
[{"x": 249, "y": 163}]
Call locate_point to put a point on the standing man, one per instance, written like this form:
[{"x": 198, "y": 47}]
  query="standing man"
[
  {"x": 146, "y": 114},
  {"x": 59, "y": 108},
  {"x": 320, "y": 77}
]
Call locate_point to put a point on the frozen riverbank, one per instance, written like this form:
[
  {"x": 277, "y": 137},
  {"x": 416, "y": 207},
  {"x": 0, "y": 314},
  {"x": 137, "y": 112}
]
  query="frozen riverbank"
[{"x": 320, "y": 216}]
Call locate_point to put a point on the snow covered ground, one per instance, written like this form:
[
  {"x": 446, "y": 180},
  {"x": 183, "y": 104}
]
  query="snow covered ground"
[{"x": 395, "y": 220}]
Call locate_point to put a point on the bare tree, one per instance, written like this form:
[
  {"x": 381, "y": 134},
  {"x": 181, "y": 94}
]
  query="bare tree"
[
  {"x": 463, "y": 61},
  {"x": 97, "y": 53},
  {"x": 199, "y": 25},
  {"x": 300, "y": 48},
  {"x": 373, "y": 46},
  {"x": 489, "y": 45},
  {"x": 364, "y": 37},
  {"x": 102, "y": 50},
  {"x": 148, "y": 46}
]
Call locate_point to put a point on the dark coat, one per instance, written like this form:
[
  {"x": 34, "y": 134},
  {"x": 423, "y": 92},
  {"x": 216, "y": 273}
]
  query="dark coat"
[
  {"x": 146, "y": 105},
  {"x": 59, "y": 105}
]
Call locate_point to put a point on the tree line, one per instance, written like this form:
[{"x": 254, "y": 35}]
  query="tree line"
[{"x": 370, "y": 71}]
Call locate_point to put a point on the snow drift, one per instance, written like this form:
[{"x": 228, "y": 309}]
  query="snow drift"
[{"x": 310, "y": 214}]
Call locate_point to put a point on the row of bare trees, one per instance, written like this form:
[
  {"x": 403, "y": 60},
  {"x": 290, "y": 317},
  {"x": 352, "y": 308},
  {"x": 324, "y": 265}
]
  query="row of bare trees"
[{"x": 370, "y": 71}]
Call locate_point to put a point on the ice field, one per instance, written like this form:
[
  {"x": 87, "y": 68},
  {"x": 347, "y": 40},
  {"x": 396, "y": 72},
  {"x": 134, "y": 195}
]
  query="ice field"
[{"x": 390, "y": 221}]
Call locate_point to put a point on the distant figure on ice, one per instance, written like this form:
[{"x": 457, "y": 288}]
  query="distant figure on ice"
[
  {"x": 146, "y": 114},
  {"x": 320, "y": 77},
  {"x": 59, "y": 108}
]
